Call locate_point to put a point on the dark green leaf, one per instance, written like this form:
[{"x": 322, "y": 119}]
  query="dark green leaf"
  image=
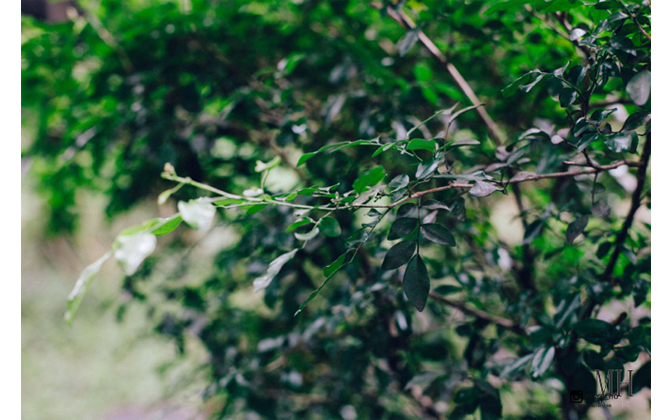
[
  {"x": 635, "y": 120},
  {"x": 567, "y": 97},
  {"x": 402, "y": 227},
  {"x": 576, "y": 228},
  {"x": 398, "y": 255},
  {"x": 437, "y": 233},
  {"x": 329, "y": 226},
  {"x": 416, "y": 283}
]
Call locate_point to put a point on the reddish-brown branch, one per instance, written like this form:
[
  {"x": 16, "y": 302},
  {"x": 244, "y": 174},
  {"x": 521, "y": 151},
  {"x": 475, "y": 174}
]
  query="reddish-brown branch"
[{"x": 456, "y": 185}]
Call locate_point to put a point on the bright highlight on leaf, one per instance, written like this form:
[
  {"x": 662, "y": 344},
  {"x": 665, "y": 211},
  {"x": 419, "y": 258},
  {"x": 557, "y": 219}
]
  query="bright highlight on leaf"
[{"x": 197, "y": 213}]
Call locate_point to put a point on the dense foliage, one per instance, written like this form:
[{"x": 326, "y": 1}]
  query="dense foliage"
[{"x": 419, "y": 253}]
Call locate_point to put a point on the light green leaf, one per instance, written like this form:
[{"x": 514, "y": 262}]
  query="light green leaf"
[
  {"x": 163, "y": 197},
  {"x": 197, "y": 213},
  {"x": 298, "y": 223},
  {"x": 421, "y": 144},
  {"x": 131, "y": 250},
  {"x": 275, "y": 266},
  {"x": 266, "y": 166},
  {"x": 85, "y": 278},
  {"x": 369, "y": 178}
]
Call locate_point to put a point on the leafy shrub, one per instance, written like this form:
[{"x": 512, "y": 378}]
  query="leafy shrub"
[{"x": 388, "y": 286}]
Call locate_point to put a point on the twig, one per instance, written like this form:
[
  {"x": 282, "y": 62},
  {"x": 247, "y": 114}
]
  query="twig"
[
  {"x": 503, "y": 322},
  {"x": 634, "y": 205},
  {"x": 406, "y": 22}
]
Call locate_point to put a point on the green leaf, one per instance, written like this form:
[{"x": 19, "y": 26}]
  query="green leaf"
[
  {"x": 408, "y": 41},
  {"x": 483, "y": 189},
  {"x": 407, "y": 210},
  {"x": 369, "y": 179},
  {"x": 422, "y": 72},
  {"x": 416, "y": 283},
  {"x": 307, "y": 236},
  {"x": 253, "y": 209},
  {"x": 635, "y": 120},
  {"x": 427, "y": 168},
  {"x": 83, "y": 282},
  {"x": 197, "y": 213},
  {"x": 622, "y": 142},
  {"x": 274, "y": 268},
  {"x": 576, "y": 228},
  {"x": 398, "y": 183},
  {"x": 639, "y": 87},
  {"x": 131, "y": 250},
  {"x": 567, "y": 97},
  {"x": 331, "y": 269},
  {"x": 542, "y": 361},
  {"x": 158, "y": 226},
  {"x": 435, "y": 205},
  {"x": 163, "y": 197},
  {"x": 422, "y": 144},
  {"x": 298, "y": 223},
  {"x": 437, "y": 233},
  {"x": 330, "y": 227},
  {"x": 524, "y": 83},
  {"x": 533, "y": 230},
  {"x": 307, "y": 156},
  {"x": 262, "y": 166},
  {"x": 399, "y": 255},
  {"x": 401, "y": 227},
  {"x": 423, "y": 380},
  {"x": 595, "y": 331}
]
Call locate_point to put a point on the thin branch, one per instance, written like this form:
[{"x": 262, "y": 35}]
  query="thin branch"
[
  {"x": 634, "y": 205},
  {"x": 407, "y": 23},
  {"x": 503, "y": 322}
]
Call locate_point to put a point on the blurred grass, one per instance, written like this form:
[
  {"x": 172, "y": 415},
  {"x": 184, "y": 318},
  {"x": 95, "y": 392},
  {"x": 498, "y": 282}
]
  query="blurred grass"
[{"x": 99, "y": 368}]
